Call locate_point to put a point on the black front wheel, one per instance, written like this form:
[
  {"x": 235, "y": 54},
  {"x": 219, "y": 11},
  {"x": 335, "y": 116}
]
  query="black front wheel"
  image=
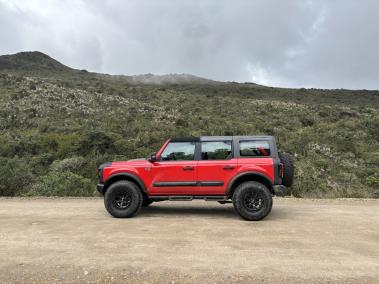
[
  {"x": 252, "y": 200},
  {"x": 123, "y": 199}
]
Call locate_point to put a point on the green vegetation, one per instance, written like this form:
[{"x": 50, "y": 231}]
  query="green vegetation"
[{"x": 58, "y": 124}]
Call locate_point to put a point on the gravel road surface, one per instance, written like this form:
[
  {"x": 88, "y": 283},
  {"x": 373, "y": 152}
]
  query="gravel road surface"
[{"x": 75, "y": 240}]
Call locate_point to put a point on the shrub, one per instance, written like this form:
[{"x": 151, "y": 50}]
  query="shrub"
[
  {"x": 373, "y": 180},
  {"x": 72, "y": 164},
  {"x": 95, "y": 142},
  {"x": 62, "y": 184},
  {"x": 15, "y": 176}
]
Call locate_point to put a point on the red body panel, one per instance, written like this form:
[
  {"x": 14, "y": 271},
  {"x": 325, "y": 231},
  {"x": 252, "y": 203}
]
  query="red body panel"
[
  {"x": 135, "y": 167},
  {"x": 263, "y": 166},
  {"x": 172, "y": 171},
  {"x": 218, "y": 171}
]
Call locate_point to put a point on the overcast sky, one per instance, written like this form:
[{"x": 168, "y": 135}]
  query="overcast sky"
[{"x": 323, "y": 44}]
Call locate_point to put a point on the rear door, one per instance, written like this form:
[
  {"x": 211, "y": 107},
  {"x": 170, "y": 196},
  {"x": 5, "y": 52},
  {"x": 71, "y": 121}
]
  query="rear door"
[
  {"x": 216, "y": 167},
  {"x": 175, "y": 171}
]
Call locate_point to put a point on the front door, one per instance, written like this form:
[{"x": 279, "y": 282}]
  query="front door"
[
  {"x": 175, "y": 171},
  {"x": 216, "y": 167}
]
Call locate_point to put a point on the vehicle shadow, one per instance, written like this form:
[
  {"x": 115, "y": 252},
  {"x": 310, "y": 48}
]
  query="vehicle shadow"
[
  {"x": 185, "y": 210},
  {"x": 225, "y": 211}
]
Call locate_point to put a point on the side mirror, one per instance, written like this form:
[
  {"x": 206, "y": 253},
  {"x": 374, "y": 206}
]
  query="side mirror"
[{"x": 153, "y": 157}]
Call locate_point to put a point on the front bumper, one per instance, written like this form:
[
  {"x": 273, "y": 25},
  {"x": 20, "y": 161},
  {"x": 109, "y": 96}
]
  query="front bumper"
[
  {"x": 100, "y": 188},
  {"x": 280, "y": 190}
]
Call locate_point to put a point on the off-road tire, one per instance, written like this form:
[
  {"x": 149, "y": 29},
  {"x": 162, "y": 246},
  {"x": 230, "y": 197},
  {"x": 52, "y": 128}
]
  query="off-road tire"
[
  {"x": 243, "y": 194},
  {"x": 113, "y": 197},
  {"x": 146, "y": 201},
  {"x": 288, "y": 168}
]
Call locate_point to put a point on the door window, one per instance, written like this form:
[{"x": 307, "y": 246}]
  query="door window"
[
  {"x": 254, "y": 149},
  {"x": 179, "y": 151},
  {"x": 216, "y": 150}
]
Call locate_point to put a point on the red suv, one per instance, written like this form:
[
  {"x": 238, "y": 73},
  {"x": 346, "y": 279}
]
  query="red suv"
[{"x": 245, "y": 170}]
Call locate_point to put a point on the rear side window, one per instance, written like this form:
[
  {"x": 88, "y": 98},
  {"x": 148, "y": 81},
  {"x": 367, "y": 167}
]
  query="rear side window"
[
  {"x": 177, "y": 151},
  {"x": 216, "y": 150},
  {"x": 254, "y": 149}
]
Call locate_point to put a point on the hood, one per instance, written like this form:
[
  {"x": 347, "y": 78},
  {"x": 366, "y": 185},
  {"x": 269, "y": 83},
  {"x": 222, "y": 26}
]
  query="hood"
[{"x": 132, "y": 163}]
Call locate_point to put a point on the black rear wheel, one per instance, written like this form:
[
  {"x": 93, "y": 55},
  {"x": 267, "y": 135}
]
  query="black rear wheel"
[
  {"x": 123, "y": 199},
  {"x": 252, "y": 200}
]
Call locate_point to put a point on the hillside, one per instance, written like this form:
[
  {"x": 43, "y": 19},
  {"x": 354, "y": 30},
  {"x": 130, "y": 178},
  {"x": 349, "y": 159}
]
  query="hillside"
[
  {"x": 57, "y": 124},
  {"x": 32, "y": 62}
]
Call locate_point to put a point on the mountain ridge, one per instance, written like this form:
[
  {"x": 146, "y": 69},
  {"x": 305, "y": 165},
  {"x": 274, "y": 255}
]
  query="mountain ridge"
[
  {"x": 31, "y": 61},
  {"x": 39, "y": 64},
  {"x": 28, "y": 62}
]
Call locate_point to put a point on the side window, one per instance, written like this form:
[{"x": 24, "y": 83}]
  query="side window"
[
  {"x": 254, "y": 148},
  {"x": 177, "y": 151},
  {"x": 217, "y": 150}
]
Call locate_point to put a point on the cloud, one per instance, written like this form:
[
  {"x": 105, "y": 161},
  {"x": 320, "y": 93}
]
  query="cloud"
[{"x": 326, "y": 44}]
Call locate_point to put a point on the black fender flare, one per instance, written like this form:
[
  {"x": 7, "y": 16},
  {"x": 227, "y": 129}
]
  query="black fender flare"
[
  {"x": 127, "y": 176},
  {"x": 260, "y": 176}
]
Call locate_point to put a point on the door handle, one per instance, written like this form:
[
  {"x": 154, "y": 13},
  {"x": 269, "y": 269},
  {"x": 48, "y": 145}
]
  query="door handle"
[
  {"x": 188, "y": 168},
  {"x": 228, "y": 168}
]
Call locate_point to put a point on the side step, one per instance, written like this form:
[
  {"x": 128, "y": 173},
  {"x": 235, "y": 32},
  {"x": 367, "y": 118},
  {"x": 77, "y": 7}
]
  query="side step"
[
  {"x": 189, "y": 197},
  {"x": 180, "y": 198}
]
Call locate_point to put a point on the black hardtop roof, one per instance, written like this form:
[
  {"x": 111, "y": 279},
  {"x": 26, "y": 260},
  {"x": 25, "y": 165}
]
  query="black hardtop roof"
[{"x": 219, "y": 138}]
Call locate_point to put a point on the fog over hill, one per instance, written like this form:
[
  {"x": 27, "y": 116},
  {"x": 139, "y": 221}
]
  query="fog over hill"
[{"x": 35, "y": 61}]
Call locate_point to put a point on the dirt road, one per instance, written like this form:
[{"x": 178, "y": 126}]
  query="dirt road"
[{"x": 75, "y": 240}]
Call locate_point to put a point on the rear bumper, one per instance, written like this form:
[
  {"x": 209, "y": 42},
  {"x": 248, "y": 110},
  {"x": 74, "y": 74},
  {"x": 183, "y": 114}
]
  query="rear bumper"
[
  {"x": 100, "y": 188},
  {"x": 280, "y": 190}
]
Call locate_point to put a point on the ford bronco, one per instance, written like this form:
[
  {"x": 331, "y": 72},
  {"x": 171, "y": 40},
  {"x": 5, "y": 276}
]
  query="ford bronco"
[{"x": 245, "y": 170}]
